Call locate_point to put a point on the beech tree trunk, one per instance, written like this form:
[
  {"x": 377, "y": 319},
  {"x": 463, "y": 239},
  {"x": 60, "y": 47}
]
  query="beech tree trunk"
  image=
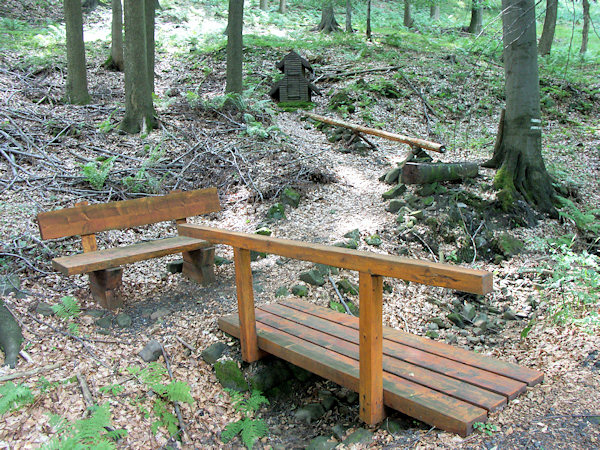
[
  {"x": 476, "y": 17},
  {"x": 235, "y": 23},
  {"x": 76, "y": 89},
  {"x": 139, "y": 67},
  {"x": 369, "y": 20},
  {"x": 518, "y": 150},
  {"x": 328, "y": 22},
  {"x": 586, "y": 26},
  {"x": 282, "y": 6},
  {"x": 547, "y": 38},
  {"x": 407, "y": 20},
  {"x": 115, "y": 61},
  {"x": 434, "y": 11},
  {"x": 264, "y": 4},
  {"x": 349, "y": 16},
  {"x": 421, "y": 173}
]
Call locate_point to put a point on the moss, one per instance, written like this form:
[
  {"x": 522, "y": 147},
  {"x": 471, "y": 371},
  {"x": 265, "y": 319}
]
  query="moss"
[
  {"x": 503, "y": 182},
  {"x": 230, "y": 375}
]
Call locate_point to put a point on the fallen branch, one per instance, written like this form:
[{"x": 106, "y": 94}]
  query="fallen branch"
[
  {"x": 85, "y": 390},
  {"x": 421, "y": 173},
  {"x": 422, "y": 143},
  {"x": 340, "y": 296},
  {"x": 29, "y": 373}
]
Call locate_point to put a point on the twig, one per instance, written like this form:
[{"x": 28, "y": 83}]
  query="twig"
[
  {"x": 425, "y": 244},
  {"x": 175, "y": 402},
  {"x": 340, "y": 295},
  {"x": 416, "y": 441},
  {"x": 185, "y": 344},
  {"x": 29, "y": 373},
  {"x": 26, "y": 356},
  {"x": 14, "y": 255},
  {"x": 85, "y": 391}
]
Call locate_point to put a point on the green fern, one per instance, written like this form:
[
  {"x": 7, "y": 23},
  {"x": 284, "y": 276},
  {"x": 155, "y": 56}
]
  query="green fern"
[
  {"x": 67, "y": 308},
  {"x": 178, "y": 391},
  {"x": 584, "y": 221},
  {"x": 13, "y": 397},
  {"x": 248, "y": 428},
  {"x": 96, "y": 174}
]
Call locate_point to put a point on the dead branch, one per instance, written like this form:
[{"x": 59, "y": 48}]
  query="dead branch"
[
  {"x": 340, "y": 296},
  {"x": 29, "y": 373},
  {"x": 85, "y": 390}
]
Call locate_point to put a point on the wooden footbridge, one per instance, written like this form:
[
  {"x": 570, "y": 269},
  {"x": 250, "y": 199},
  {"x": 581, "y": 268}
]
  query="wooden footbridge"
[{"x": 444, "y": 386}]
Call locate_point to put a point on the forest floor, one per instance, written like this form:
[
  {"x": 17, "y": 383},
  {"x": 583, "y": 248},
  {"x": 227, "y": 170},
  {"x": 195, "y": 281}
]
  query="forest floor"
[{"x": 47, "y": 144}]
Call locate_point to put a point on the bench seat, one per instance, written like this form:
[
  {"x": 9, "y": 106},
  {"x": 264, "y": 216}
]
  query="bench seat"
[{"x": 115, "y": 257}]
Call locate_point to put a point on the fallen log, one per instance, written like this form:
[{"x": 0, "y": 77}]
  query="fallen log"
[
  {"x": 422, "y": 143},
  {"x": 420, "y": 173}
]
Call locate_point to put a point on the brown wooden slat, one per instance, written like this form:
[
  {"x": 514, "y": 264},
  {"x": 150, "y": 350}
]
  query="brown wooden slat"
[
  {"x": 410, "y": 398},
  {"x": 446, "y": 385},
  {"x": 504, "y": 368},
  {"x": 92, "y": 219},
  {"x": 114, "y": 257},
  {"x": 500, "y": 387},
  {"x": 424, "y": 272}
]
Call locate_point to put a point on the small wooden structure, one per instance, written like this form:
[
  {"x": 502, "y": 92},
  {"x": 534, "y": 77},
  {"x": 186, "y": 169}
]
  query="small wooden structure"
[
  {"x": 446, "y": 387},
  {"x": 295, "y": 85}
]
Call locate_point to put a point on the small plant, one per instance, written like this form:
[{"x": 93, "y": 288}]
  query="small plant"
[
  {"x": 96, "y": 174},
  {"x": 13, "y": 396},
  {"x": 248, "y": 428},
  {"x": 90, "y": 433},
  {"x": 486, "y": 428},
  {"x": 68, "y": 308},
  {"x": 113, "y": 389}
]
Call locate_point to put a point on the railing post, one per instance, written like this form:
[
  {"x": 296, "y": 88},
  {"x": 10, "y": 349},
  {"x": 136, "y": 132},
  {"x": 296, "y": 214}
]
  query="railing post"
[
  {"x": 245, "y": 298},
  {"x": 371, "y": 348}
]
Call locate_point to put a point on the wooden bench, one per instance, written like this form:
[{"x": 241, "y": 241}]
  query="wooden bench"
[
  {"x": 103, "y": 266},
  {"x": 442, "y": 385}
]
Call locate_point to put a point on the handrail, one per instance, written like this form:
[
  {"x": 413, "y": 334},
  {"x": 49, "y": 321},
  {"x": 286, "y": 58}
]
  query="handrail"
[{"x": 371, "y": 267}]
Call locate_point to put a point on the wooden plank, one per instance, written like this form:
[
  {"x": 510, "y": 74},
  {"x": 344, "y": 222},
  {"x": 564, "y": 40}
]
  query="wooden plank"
[
  {"x": 418, "y": 361},
  {"x": 114, "y": 257},
  {"x": 92, "y": 219},
  {"x": 529, "y": 376},
  {"x": 424, "y": 404},
  {"x": 371, "y": 350},
  {"x": 424, "y": 272},
  {"x": 245, "y": 300},
  {"x": 442, "y": 383},
  {"x": 105, "y": 286},
  {"x": 88, "y": 241}
]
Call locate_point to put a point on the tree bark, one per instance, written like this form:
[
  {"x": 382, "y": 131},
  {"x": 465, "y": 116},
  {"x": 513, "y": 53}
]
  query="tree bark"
[
  {"x": 76, "y": 89},
  {"x": 264, "y": 5},
  {"x": 518, "y": 153},
  {"x": 369, "y": 20},
  {"x": 328, "y": 22},
  {"x": 282, "y": 6},
  {"x": 434, "y": 11},
  {"x": 547, "y": 38},
  {"x": 10, "y": 334},
  {"x": 235, "y": 23},
  {"x": 586, "y": 27},
  {"x": 349, "y": 16},
  {"x": 476, "y": 17},
  {"x": 115, "y": 61},
  {"x": 149, "y": 15},
  {"x": 139, "y": 110},
  {"x": 407, "y": 19},
  {"x": 420, "y": 173}
]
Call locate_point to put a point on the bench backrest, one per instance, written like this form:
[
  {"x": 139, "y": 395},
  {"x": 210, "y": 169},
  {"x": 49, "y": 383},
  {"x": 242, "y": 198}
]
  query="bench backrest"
[{"x": 90, "y": 219}]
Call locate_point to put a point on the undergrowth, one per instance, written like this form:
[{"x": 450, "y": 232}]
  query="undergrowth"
[{"x": 249, "y": 428}]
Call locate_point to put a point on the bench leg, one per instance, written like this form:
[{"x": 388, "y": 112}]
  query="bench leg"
[
  {"x": 106, "y": 287},
  {"x": 199, "y": 265}
]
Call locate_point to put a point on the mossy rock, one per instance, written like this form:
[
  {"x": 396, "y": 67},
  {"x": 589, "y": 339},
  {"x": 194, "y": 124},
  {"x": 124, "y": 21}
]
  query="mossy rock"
[
  {"x": 213, "y": 352},
  {"x": 509, "y": 245},
  {"x": 264, "y": 231},
  {"x": 282, "y": 292},
  {"x": 354, "y": 234},
  {"x": 374, "y": 240},
  {"x": 347, "y": 287},
  {"x": 276, "y": 212},
  {"x": 300, "y": 290},
  {"x": 394, "y": 192},
  {"x": 230, "y": 375},
  {"x": 360, "y": 436},
  {"x": 395, "y": 205},
  {"x": 290, "y": 197},
  {"x": 313, "y": 277},
  {"x": 427, "y": 189},
  {"x": 393, "y": 175},
  {"x": 220, "y": 261},
  {"x": 326, "y": 270},
  {"x": 350, "y": 243},
  {"x": 322, "y": 443}
]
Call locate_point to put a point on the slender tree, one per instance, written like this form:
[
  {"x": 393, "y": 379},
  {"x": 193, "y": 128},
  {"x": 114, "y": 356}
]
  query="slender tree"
[
  {"x": 235, "y": 23},
  {"x": 476, "y": 17},
  {"x": 369, "y": 20},
  {"x": 547, "y": 38},
  {"x": 282, "y": 6},
  {"x": 264, "y": 5},
  {"x": 115, "y": 61},
  {"x": 407, "y": 19},
  {"x": 518, "y": 150},
  {"x": 139, "y": 67},
  {"x": 328, "y": 22},
  {"x": 434, "y": 11},
  {"x": 149, "y": 16},
  {"x": 586, "y": 26},
  {"x": 76, "y": 89},
  {"x": 349, "y": 16}
]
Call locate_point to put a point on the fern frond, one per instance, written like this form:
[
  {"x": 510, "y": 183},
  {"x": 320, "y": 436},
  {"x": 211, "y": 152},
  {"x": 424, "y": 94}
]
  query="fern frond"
[
  {"x": 256, "y": 400},
  {"x": 13, "y": 397},
  {"x": 231, "y": 431},
  {"x": 178, "y": 391},
  {"x": 252, "y": 429},
  {"x": 67, "y": 308}
]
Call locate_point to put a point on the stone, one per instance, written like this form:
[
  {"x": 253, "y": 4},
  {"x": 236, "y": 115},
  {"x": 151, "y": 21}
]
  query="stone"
[
  {"x": 282, "y": 292},
  {"x": 418, "y": 214},
  {"x": 327, "y": 400},
  {"x": 347, "y": 287},
  {"x": 123, "y": 320},
  {"x": 394, "y": 192},
  {"x": 220, "y": 261},
  {"x": 213, "y": 352},
  {"x": 354, "y": 234},
  {"x": 267, "y": 376},
  {"x": 392, "y": 176},
  {"x": 9, "y": 284},
  {"x": 104, "y": 322},
  {"x": 322, "y": 443},
  {"x": 300, "y": 290},
  {"x": 395, "y": 205},
  {"x": 336, "y": 306},
  {"x": 95, "y": 312},
  {"x": 230, "y": 375},
  {"x": 509, "y": 245},
  {"x": 175, "y": 266},
  {"x": 451, "y": 338},
  {"x": 481, "y": 321},
  {"x": 428, "y": 201},
  {"x": 473, "y": 339},
  {"x": 387, "y": 287},
  {"x": 477, "y": 331},
  {"x": 290, "y": 197},
  {"x": 159, "y": 313},
  {"x": 276, "y": 212},
  {"x": 469, "y": 311},
  {"x": 44, "y": 309},
  {"x": 433, "y": 326},
  {"x": 299, "y": 373},
  {"x": 432, "y": 334},
  {"x": 509, "y": 314},
  {"x": 263, "y": 231},
  {"x": 392, "y": 426},
  {"x": 339, "y": 431},
  {"x": 325, "y": 270},
  {"x": 310, "y": 413},
  {"x": 427, "y": 189},
  {"x": 360, "y": 436},
  {"x": 351, "y": 397},
  {"x": 152, "y": 351},
  {"x": 439, "y": 322},
  {"x": 456, "y": 319},
  {"x": 312, "y": 277},
  {"x": 374, "y": 240}
]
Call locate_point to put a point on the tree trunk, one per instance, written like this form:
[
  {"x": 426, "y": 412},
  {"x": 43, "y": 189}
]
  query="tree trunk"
[
  {"x": 282, "y": 6},
  {"x": 139, "y": 110},
  {"x": 349, "y": 16},
  {"x": 149, "y": 15},
  {"x": 434, "y": 11},
  {"x": 235, "y": 23},
  {"x": 408, "y": 21},
  {"x": 115, "y": 61},
  {"x": 476, "y": 17},
  {"x": 264, "y": 5},
  {"x": 10, "y": 336},
  {"x": 518, "y": 152},
  {"x": 545, "y": 44},
  {"x": 369, "y": 20},
  {"x": 328, "y": 22},
  {"x": 76, "y": 89},
  {"x": 420, "y": 173},
  {"x": 586, "y": 27}
]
